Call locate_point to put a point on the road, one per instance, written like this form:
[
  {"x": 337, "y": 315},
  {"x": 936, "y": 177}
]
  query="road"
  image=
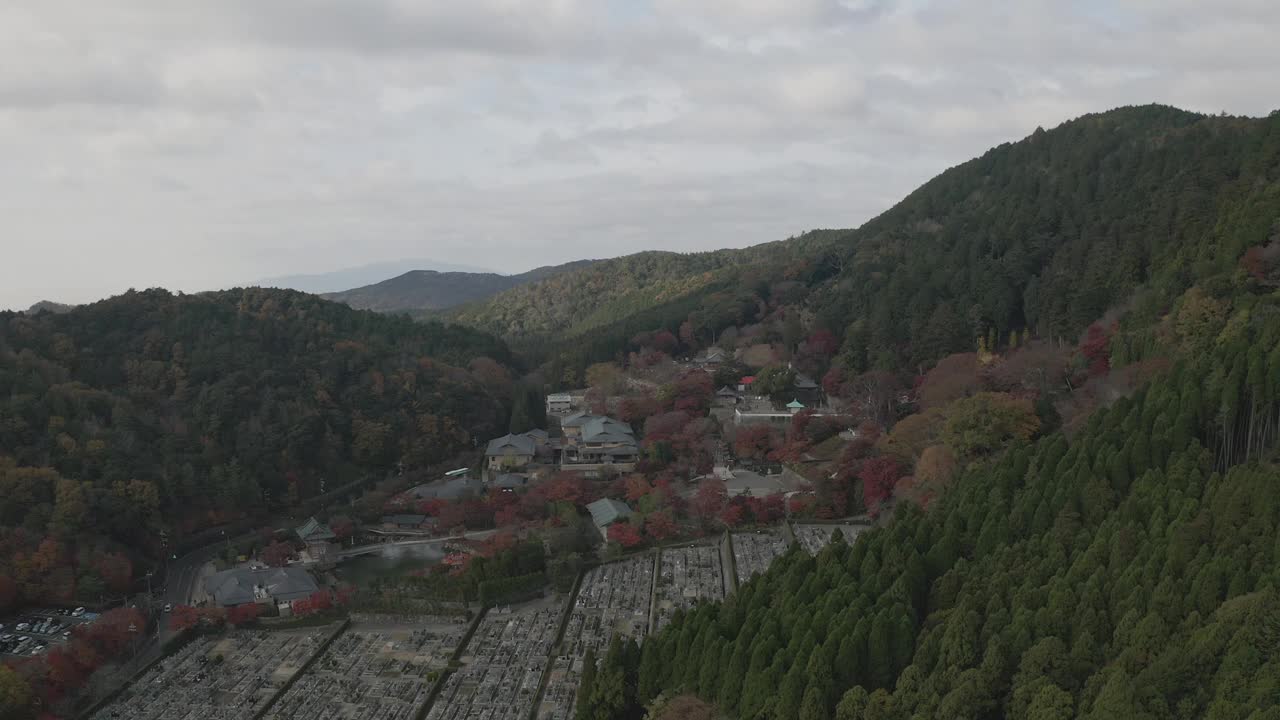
[{"x": 183, "y": 574}]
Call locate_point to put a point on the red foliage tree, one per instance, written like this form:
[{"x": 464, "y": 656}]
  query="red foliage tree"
[
  {"x": 115, "y": 629},
  {"x": 732, "y": 514},
  {"x": 823, "y": 342},
  {"x": 243, "y": 614},
  {"x": 637, "y": 409},
  {"x": 116, "y": 571},
  {"x": 569, "y": 487},
  {"x": 1096, "y": 349},
  {"x": 8, "y": 593},
  {"x": 664, "y": 427},
  {"x": 755, "y": 442},
  {"x": 878, "y": 475},
  {"x": 692, "y": 393},
  {"x": 342, "y": 526},
  {"x": 624, "y": 534},
  {"x": 664, "y": 341},
  {"x": 709, "y": 499},
  {"x": 660, "y": 526},
  {"x": 277, "y": 554},
  {"x": 64, "y": 671},
  {"x": 430, "y": 507},
  {"x": 183, "y": 617},
  {"x": 768, "y": 509},
  {"x": 637, "y": 487}
]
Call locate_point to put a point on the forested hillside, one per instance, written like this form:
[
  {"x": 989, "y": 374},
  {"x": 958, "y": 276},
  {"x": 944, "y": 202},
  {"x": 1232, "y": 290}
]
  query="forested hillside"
[
  {"x": 1120, "y": 211},
  {"x": 419, "y": 291},
  {"x": 153, "y": 411},
  {"x": 611, "y": 291},
  {"x": 1115, "y": 576},
  {"x": 1129, "y": 570}
]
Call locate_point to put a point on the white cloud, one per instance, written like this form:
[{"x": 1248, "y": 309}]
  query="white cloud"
[{"x": 209, "y": 142}]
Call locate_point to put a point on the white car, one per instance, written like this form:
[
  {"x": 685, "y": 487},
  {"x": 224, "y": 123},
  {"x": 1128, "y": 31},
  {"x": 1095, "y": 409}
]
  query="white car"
[
  {"x": 168, "y": 607},
  {"x": 78, "y": 612},
  {"x": 22, "y": 627}
]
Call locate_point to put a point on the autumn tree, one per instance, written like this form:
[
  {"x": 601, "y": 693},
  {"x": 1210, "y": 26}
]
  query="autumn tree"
[
  {"x": 277, "y": 554},
  {"x": 987, "y": 422},
  {"x": 878, "y": 475}
]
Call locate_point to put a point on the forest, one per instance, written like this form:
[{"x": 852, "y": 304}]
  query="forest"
[
  {"x": 152, "y": 415},
  {"x": 1132, "y": 571},
  {"x": 1107, "y": 547}
]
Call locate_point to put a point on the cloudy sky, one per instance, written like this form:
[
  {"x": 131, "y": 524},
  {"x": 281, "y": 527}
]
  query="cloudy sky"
[{"x": 196, "y": 144}]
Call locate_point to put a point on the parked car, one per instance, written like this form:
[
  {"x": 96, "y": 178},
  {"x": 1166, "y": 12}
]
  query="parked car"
[
  {"x": 21, "y": 627},
  {"x": 78, "y": 612}
]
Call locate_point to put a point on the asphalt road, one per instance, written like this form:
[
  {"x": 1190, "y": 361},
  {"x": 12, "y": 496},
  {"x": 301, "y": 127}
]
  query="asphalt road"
[{"x": 182, "y": 575}]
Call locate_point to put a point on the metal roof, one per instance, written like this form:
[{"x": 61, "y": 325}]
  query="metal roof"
[
  {"x": 314, "y": 530},
  {"x": 608, "y": 511}
]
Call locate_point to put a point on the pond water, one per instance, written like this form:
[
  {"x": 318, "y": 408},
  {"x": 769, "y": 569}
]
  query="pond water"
[{"x": 388, "y": 562}]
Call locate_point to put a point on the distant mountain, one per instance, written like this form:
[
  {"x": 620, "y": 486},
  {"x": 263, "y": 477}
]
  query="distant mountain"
[
  {"x": 49, "y": 306},
  {"x": 360, "y": 276},
  {"x": 600, "y": 295},
  {"x": 426, "y": 290}
]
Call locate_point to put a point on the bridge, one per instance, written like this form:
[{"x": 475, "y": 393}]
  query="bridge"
[{"x": 376, "y": 547}]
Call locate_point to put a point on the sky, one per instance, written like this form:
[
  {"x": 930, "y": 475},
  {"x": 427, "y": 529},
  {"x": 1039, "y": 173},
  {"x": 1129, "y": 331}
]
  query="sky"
[{"x": 198, "y": 144}]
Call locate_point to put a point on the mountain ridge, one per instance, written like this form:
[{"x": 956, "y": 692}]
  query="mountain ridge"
[{"x": 420, "y": 292}]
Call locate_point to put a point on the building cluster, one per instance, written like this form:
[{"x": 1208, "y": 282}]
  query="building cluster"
[
  {"x": 686, "y": 575},
  {"x": 229, "y": 677},
  {"x": 755, "y": 552},
  {"x": 374, "y": 672},
  {"x": 588, "y": 444},
  {"x": 502, "y": 666},
  {"x": 612, "y": 600}
]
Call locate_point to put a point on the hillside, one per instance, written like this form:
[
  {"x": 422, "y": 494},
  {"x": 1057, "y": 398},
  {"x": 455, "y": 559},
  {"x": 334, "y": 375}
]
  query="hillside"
[
  {"x": 152, "y": 411},
  {"x": 338, "y": 280},
  {"x": 610, "y": 291},
  {"x": 49, "y": 306},
  {"x": 1125, "y": 567},
  {"x": 424, "y": 290},
  {"x": 1115, "y": 212}
]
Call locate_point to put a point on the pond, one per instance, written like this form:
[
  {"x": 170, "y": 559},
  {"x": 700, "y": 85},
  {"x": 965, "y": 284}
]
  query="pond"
[{"x": 391, "y": 561}]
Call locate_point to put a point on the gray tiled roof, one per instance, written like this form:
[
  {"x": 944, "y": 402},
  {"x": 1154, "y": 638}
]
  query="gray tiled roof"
[
  {"x": 404, "y": 520},
  {"x": 236, "y": 586},
  {"x": 604, "y": 429},
  {"x": 510, "y": 480},
  {"x": 451, "y": 489},
  {"x": 510, "y": 445}
]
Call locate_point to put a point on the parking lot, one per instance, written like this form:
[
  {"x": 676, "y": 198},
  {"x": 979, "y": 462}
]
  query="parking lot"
[
  {"x": 612, "y": 600},
  {"x": 35, "y": 631},
  {"x": 755, "y": 552},
  {"x": 686, "y": 576},
  {"x": 224, "y": 677},
  {"x": 374, "y": 670},
  {"x": 502, "y": 665},
  {"x": 815, "y": 537}
]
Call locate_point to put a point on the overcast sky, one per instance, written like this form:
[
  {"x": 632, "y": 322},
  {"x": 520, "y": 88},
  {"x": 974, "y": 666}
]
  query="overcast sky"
[{"x": 196, "y": 144}]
